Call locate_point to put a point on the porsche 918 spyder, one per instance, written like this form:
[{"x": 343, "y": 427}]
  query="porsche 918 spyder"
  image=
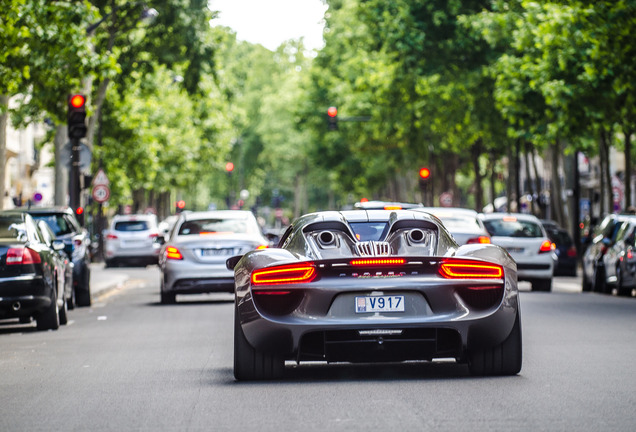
[{"x": 374, "y": 286}]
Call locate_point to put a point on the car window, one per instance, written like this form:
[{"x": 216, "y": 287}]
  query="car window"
[
  {"x": 368, "y": 231},
  {"x": 11, "y": 227},
  {"x": 216, "y": 225},
  {"x": 131, "y": 226},
  {"x": 513, "y": 228},
  {"x": 58, "y": 223},
  {"x": 459, "y": 222}
]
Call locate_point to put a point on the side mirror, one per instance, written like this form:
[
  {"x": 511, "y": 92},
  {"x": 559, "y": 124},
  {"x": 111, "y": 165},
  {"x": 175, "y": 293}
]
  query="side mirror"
[
  {"x": 58, "y": 245},
  {"x": 232, "y": 262},
  {"x": 160, "y": 239}
]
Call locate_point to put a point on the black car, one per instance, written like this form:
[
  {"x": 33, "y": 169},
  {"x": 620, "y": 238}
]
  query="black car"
[
  {"x": 565, "y": 249},
  {"x": 619, "y": 261},
  {"x": 32, "y": 283},
  {"x": 65, "y": 226}
]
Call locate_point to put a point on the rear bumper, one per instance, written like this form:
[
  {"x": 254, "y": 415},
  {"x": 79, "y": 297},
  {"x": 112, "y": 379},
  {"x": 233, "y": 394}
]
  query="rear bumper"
[{"x": 24, "y": 296}]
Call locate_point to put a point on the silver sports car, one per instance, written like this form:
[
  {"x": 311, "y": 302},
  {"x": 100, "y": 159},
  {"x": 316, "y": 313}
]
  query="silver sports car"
[{"x": 374, "y": 285}]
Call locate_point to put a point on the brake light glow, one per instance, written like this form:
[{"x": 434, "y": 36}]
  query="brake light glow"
[
  {"x": 153, "y": 235},
  {"x": 464, "y": 269},
  {"x": 286, "y": 274},
  {"x": 509, "y": 219},
  {"x": 22, "y": 256},
  {"x": 547, "y": 246},
  {"x": 479, "y": 240},
  {"x": 111, "y": 237},
  {"x": 378, "y": 261},
  {"x": 572, "y": 252},
  {"x": 173, "y": 253},
  {"x": 262, "y": 247},
  {"x": 392, "y": 207}
]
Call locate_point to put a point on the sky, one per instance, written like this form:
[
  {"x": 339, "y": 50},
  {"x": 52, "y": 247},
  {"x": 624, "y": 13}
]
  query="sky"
[{"x": 271, "y": 22}]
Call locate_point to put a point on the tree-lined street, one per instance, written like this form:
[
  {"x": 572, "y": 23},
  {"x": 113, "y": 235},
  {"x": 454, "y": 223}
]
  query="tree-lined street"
[{"x": 130, "y": 363}]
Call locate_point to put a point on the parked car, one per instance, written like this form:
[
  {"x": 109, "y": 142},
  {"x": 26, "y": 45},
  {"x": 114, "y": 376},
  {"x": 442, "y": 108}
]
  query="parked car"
[
  {"x": 593, "y": 265},
  {"x": 374, "y": 286},
  {"x": 63, "y": 265},
  {"x": 31, "y": 285},
  {"x": 565, "y": 250},
  {"x": 523, "y": 236},
  {"x": 132, "y": 240},
  {"x": 464, "y": 224},
  {"x": 192, "y": 259},
  {"x": 619, "y": 261},
  {"x": 77, "y": 244}
]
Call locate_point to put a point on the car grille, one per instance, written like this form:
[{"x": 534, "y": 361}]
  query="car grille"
[{"x": 373, "y": 248}]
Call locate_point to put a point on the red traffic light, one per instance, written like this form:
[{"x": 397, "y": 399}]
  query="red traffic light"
[
  {"x": 425, "y": 173},
  {"x": 332, "y": 111},
  {"x": 229, "y": 167},
  {"x": 79, "y": 211},
  {"x": 77, "y": 101},
  {"x": 181, "y": 204}
]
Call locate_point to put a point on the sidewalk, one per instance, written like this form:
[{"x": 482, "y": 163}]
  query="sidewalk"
[{"x": 103, "y": 280}]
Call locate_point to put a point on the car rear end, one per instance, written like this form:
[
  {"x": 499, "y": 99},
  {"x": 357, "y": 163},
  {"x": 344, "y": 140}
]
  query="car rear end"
[
  {"x": 526, "y": 241},
  {"x": 132, "y": 240}
]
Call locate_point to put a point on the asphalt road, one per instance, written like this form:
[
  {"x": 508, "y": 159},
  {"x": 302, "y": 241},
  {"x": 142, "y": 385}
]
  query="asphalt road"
[{"x": 131, "y": 364}]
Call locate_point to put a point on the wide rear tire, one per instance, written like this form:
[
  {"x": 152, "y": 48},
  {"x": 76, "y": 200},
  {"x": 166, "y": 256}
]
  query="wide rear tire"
[
  {"x": 503, "y": 359},
  {"x": 544, "y": 285},
  {"x": 251, "y": 364}
]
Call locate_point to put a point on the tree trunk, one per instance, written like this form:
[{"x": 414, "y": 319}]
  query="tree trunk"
[
  {"x": 556, "y": 186},
  {"x": 4, "y": 123},
  {"x": 538, "y": 186},
  {"x": 61, "y": 173},
  {"x": 529, "y": 182},
  {"x": 493, "y": 179},
  {"x": 517, "y": 176},
  {"x": 628, "y": 167},
  {"x": 479, "y": 191},
  {"x": 510, "y": 179}
]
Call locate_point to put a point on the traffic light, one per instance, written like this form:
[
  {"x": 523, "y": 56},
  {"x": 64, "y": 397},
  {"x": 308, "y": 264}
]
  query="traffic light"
[
  {"x": 332, "y": 118},
  {"x": 79, "y": 214},
  {"x": 229, "y": 167},
  {"x": 180, "y": 206},
  {"x": 76, "y": 116},
  {"x": 425, "y": 173}
]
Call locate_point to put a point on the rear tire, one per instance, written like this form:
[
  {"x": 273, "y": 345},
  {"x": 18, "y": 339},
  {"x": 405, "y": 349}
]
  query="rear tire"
[
  {"x": 63, "y": 313},
  {"x": 586, "y": 285},
  {"x": 251, "y": 364},
  {"x": 599, "y": 280},
  {"x": 544, "y": 285},
  {"x": 620, "y": 289},
  {"x": 50, "y": 318},
  {"x": 83, "y": 290},
  {"x": 168, "y": 298},
  {"x": 503, "y": 359}
]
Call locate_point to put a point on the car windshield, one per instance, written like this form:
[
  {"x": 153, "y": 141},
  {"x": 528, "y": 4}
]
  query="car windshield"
[
  {"x": 57, "y": 223},
  {"x": 131, "y": 226},
  {"x": 11, "y": 227},
  {"x": 513, "y": 228},
  {"x": 368, "y": 231},
  {"x": 217, "y": 226}
]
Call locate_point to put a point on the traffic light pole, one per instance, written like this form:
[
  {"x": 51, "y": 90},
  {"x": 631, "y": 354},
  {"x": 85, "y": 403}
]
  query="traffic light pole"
[{"x": 74, "y": 186}]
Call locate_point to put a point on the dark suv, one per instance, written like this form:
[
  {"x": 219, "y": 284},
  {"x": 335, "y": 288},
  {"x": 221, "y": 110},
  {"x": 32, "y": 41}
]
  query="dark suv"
[{"x": 65, "y": 226}]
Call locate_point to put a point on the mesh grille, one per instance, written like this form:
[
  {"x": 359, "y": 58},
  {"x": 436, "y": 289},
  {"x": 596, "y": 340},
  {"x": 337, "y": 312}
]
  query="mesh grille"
[{"x": 373, "y": 248}]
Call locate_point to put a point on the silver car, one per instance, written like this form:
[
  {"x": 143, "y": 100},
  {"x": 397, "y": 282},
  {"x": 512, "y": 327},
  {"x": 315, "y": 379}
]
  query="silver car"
[
  {"x": 524, "y": 237},
  {"x": 192, "y": 259},
  {"x": 132, "y": 239},
  {"x": 464, "y": 224}
]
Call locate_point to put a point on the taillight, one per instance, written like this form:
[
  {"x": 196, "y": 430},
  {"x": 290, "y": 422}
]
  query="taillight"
[
  {"x": 464, "y": 269},
  {"x": 262, "y": 247},
  {"x": 547, "y": 246},
  {"x": 173, "y": 253},
  {"x": 378, "y": 261},
  {"x": 22, "y": 256},
  {"x": 111, "y": 237},
  {"x": 572, "y": 252},
  {"x": 286, "y": 274},
  {"x": 153, "y": 235},
  {"x": 479, "y": 240},
  {"x": 630, "y": 255}
]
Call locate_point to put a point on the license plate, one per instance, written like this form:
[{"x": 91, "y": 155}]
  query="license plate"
[
  {"x": 515, "y": 249},
  {"x": 217, "y": 252},
  {"x": 380, "y": 304}
]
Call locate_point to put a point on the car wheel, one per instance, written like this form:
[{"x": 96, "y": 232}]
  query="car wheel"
[
  {"x": 503, "y": 359},
  {"x": 108, "y": 263},
  {"x": 251, "y": 364},
  {"x": 71, "y": 302},
  {"x": 599, "y": 280},
  {"x": 83, "y": 293},
  {"x": 63, "y": 313},
  {"x": 620, "y": 289},
  {"x": 168, "y": 298},
  {"x": 50, "y": 318},
  {"x": 542, "y": 285},
  {"x": 586, "y": 285}
]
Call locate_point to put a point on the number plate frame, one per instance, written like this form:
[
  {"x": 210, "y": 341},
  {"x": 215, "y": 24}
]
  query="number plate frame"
[{"x": 383, "y": 303}]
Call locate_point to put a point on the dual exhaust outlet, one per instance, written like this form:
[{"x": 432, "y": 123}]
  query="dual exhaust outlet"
[{"x": 327, "y": 238}]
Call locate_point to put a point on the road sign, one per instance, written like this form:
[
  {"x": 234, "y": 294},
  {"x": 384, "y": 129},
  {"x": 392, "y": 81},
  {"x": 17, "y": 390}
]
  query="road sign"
[
  {"x": 446, "y": 199},
  {"x": 101, "y": 193},
  {"x": 101, "y": 178}
]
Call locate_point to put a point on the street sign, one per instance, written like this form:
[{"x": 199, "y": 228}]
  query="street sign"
[
  {"x": 101, "y": 193},
  {"x": 101, "y": 178},
  {"x": 85, "y": 155},
  {"x": 446, "y": 199}
]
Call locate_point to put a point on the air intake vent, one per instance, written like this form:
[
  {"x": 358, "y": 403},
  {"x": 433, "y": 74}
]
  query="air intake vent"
[{"x": 373, "y": 248}]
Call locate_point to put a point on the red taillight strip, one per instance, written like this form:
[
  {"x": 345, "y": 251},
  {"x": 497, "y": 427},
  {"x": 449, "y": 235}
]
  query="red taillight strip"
[
  {"x": 379, "y": 261},
  {"x": 287, "y": 274},
  {"x": 272, "y": 293},
  {"x": 460, "y": 269}
]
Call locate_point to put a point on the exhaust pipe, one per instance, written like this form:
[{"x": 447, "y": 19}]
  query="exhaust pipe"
[
  {"x": 326, "y": 238},
  {"x": 416, "y": 236},
  {"x": 16, "y": 306}
]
